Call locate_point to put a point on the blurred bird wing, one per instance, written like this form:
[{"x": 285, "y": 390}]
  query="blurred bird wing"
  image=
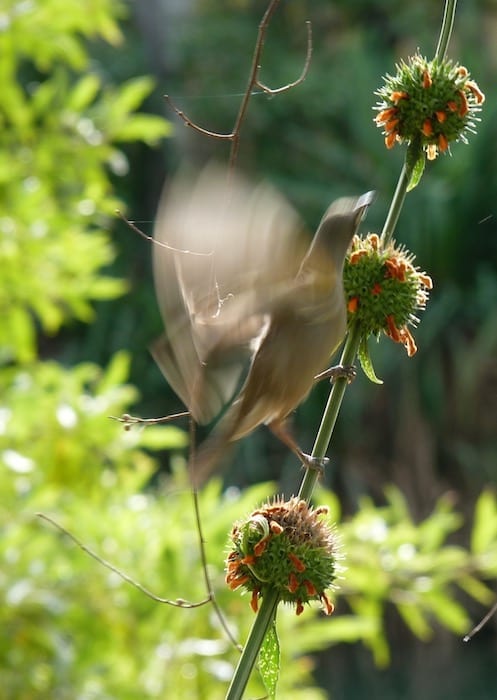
[{"x": 226, "y": 253}]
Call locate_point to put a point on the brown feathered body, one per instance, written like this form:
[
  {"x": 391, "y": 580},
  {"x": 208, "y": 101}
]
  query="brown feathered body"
[{"x": 252, "y": 313}]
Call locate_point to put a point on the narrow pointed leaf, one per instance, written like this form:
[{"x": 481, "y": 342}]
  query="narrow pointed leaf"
[
  {"x": 415, "y": 165},
  {"x": 366, "y": 364},
  {"x": 269, "y": 661}
]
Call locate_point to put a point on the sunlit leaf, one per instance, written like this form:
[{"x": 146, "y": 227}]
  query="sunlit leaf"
[
  {"x": 84, "y": 92},
  {"x": 269, "y": 660},
  {"x": 144, "y": 127},
  {"x": 476, "y": 589},
  {"x": 450, "y": 613},
  {"x": 484, "y": 533},
  {"x": 163, "y": 438},
  {"x": 415, "y": 619}
]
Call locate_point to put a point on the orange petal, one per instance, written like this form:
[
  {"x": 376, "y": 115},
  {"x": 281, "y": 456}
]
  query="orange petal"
[
  {"x": 300, "y": 607},
  {"x": 328, "y": 605},
  {"x": 443, "y": 144},
  {"x": 427, "y": 128},
  {"x": 408, "y": 342},
  {"x": 260, "y": 547},
  {"x": 390, "y": 140},
  {"x": 427, "y": 81},
  {"x": 478, "y": 94},
  {"x": 298, "y": 565},
  {"x": 398, "y": 95},
  {"x": 352, "y": 305},
  {"x": 293, "y": 583},
  {"x": 356, "y": 255},
  {"x": 385, "y": 115},
  {"x": 254, "y": 601},
  {"x": 249, "y": 559},
  {"x": 310, "y": 587},
  {"x": 376, "y": 289},
  {"x": 395, "y": 269},
  {"x": 426, "y": 281},
  {"x": 441, "y": 116},
  {"x": 393, "y": 332},
  {"x": 463, "y": 107},
  {"x": 391, "y": 125},
  {"x": 236, "y": 582}
]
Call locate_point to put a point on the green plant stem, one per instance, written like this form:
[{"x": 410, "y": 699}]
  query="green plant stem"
[
  {"x": 395, "y": 207},
  {"x": 264, "y": 619},
  {"x": 446, "y": 30},
  {"x": 270, "y": 598},
  {"x": 330, "y": 414}
]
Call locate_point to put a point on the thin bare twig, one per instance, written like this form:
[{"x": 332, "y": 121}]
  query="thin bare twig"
[
  {"x": 302, "y": 76},
  {"x": 253, "y": 82},
  {"x": 482, "y": 622},
  {"x": 153, "y": 240},
  {"x": 178, "y": 603},
  {"x": 201, "y": 545},
  {"x": 128, "y": 420},
  {"x": 196, "y": 127}
]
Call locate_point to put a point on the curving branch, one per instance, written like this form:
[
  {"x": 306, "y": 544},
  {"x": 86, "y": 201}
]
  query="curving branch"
[{"x": 253, "y": 82}]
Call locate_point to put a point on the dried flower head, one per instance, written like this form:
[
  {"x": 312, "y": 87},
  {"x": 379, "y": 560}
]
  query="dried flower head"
[
  {"x": 430, "y": 103},
  {"x": 384, "y": 289},
  {"x": 285, "y": 545}
]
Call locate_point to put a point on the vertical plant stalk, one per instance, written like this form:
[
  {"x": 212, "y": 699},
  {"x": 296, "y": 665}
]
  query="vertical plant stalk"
[
  {"x": 446, "y": 30},
  {"x": 269, "y": 604},
  {"x": 395, "y": 207},
  {"x": 262, "y": 622},
  {"x": 330, "y": 414}
]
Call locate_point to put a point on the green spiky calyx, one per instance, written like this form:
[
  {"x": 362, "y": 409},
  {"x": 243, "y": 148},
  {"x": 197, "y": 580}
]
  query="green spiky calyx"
[
  {"x": 287, "y": 546},
  {"x": 428, "y": 104},
  {"x": 384, "y": 290}
]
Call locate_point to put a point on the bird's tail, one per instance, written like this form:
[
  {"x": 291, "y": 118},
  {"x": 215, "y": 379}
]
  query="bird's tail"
[{"x": 211, "y": 454}]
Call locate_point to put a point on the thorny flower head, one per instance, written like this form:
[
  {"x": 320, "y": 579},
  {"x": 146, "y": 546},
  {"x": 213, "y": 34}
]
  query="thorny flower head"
[
  {"x": 429, "y": 104},
  {"x": 384, "y": 289},
  {"x": 285, "y": 545}
]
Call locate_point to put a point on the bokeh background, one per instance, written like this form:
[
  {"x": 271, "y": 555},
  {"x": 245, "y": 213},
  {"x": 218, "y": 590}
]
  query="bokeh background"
[{"x": 85, "y": 130}]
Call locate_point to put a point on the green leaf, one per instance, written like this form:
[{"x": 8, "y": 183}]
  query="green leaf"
[
  {"x": 415, "y": 620},
  {"x": 449, "y": 613},
  {"x": 476, "y": 589},
  {"x": 269, "y": 660},
  {"x": 84, "y": 92},
  {"x": 415, "y": 164},
  {"x": 341, "y": 628},
  {"x": 366, "y": 364},
  {"x": 484, "y": 533},
  {"x": 163, "y": 438},
  {"x": 20, "y": 336},
  {"x": 132, "y": 94},
  {"x": 117, "y": 372},
  {"x": 145, "y": 127}
]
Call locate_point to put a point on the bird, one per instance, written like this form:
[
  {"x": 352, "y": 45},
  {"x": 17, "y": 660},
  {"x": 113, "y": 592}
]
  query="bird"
[{"x": 252, "y": 312}]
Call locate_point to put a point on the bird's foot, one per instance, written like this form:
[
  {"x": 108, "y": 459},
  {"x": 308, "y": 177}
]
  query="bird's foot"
[
  {"x": 347, "y": 372},
  {"x": 318, "y": 464}
]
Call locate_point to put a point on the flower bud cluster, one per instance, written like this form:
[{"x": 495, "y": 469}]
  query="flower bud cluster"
[
  {"x": 430, "y": 103},
  {"x": 287, "y": 546},
  {"x": 384, "y": 290}
]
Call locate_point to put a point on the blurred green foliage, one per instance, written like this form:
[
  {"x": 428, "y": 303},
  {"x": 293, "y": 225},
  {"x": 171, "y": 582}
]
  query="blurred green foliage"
[{"x": 71, "y": 628}]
